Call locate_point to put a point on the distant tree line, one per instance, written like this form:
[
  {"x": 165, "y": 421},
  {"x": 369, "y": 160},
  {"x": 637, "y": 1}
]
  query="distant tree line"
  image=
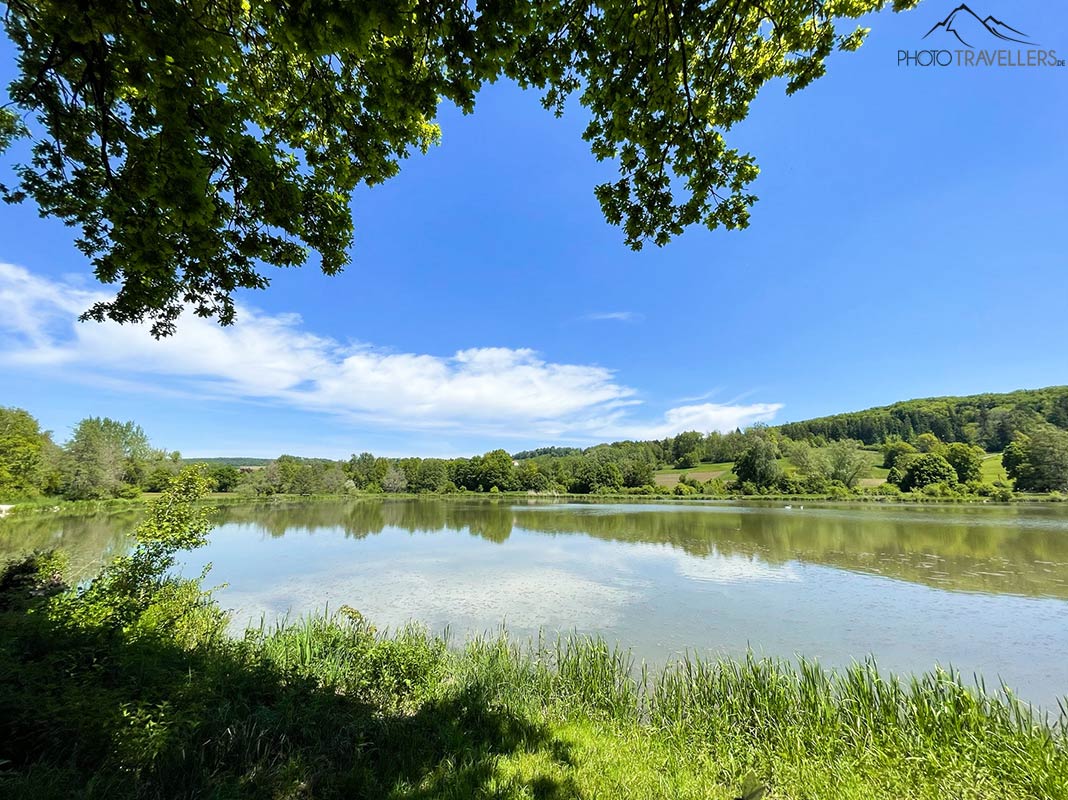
[
  {"x": 990, "y": 421},
  {"x": 104, "y": 458}
]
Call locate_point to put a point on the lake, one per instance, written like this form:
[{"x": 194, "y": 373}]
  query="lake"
[{"x": 981, "y": 588}]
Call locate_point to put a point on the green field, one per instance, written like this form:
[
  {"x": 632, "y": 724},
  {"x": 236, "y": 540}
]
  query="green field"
[
  {"x": 702, "y": 472},
  {"x": 993, "y": 471}
]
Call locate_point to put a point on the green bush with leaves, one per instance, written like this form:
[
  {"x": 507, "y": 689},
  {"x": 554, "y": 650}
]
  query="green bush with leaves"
[
  {"x": 894, "y": 450},
  {"x": 926, "y": 470},
  {"x": 138, "y": 593}
]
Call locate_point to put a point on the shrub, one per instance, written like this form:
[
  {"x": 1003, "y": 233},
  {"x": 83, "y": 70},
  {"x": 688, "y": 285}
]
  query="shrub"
[
  {"x": 816, "y": 484},
  {"x": 1002, "y": 494},
  {"x": 128, "y": 491},
  {"x": 716, "y": 487},
  {"x": 930, "y": 468},
  {"x": 688, "y": 460},
  {"x": 893, "y": 452},
  {"x": 887, "y": 490}
]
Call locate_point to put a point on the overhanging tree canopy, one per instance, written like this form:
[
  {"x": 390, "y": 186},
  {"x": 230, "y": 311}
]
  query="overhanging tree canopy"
[{"x": 195, "y": 141}]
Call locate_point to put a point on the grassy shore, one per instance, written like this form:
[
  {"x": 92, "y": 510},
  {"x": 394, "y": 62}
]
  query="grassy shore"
[
  {"x": 329, "y": 708},
  {"x": 129, "y": 687}
]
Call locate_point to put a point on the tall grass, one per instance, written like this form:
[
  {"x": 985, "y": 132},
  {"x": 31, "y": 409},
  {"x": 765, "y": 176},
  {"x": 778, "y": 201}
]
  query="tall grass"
[{"x": 804, "y": 730}]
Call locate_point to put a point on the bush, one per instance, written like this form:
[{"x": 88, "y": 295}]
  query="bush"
[
  {"x": 893, "y": 452},
  {"x": 1002, "y": 494},
  {"x": 716, "y": 487},
  {"x": 928, "y": 469},
  {"x": 816, "y": 484},
  {"x": 941, "y": 489},
  {"x": 886, "y": 490},
  {"x": 688, "y": 460},
  {"x": 788, "y": 484},
  {"x": 839, "y": 491}
]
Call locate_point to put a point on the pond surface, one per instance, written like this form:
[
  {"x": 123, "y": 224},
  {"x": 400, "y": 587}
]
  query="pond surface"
[{"x": 981, "y": 588}]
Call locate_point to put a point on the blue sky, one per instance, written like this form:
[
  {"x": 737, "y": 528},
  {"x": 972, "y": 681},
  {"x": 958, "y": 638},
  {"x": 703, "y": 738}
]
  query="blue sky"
[{"x": 910, "y": 240}]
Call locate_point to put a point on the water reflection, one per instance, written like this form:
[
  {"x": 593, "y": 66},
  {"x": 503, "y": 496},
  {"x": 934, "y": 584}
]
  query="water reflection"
[
  {"x": 991, "y": 549},
  {"x": 834, "y": 583},
  {"x": 90, "y": 540}
]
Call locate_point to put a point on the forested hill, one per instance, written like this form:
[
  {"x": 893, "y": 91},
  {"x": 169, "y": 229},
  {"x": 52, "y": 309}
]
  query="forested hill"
[
  {"x": 989, "y": 420},
  {"x": 226, "y": 461}
]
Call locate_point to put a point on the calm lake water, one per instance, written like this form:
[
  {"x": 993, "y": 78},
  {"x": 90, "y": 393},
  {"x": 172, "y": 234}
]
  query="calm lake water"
[{"x": 981, "y": 588}]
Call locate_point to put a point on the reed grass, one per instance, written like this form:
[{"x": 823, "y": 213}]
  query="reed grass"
[
  {"x": 328, "y": 706},
  {"x": 805, "y": 731}
]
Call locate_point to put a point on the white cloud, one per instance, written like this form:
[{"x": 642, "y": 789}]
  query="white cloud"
[
  {"x": 614, "y": 316},
  {"x": 702, "y": 417},
  {"x": 275, "y": 359},
  {"x": 726, "y": 568}
]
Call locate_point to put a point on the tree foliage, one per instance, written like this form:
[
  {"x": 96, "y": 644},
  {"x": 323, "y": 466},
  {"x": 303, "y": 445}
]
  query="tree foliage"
[
  {"x": 928, "y": 443},
  {"x": 191, "y": 143},
  {"x": 894, "y": 450},
  {"x": 1039, "y": 462},
  {"x": 21, "y": 453},
  {"x": 394, "y": 480},
  {"x": 927, "y": 469},
  {"x": 103, "y": 459},
  {"x": 225, "y": 477},
  {"x": 807, "y": 459},
  {"x": 966, "y": 460},
  {"x": 990, "y": 421},
  {"x": 758, "y": 464},
  {"x": 846, "y": 464}
]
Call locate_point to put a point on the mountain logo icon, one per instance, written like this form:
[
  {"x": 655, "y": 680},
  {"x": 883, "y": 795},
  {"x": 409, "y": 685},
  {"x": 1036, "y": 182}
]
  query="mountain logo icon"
[{"x": 967, "y": 26}]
